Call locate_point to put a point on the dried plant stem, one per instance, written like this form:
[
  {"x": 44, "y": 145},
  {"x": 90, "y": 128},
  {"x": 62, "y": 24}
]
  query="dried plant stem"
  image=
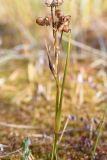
[
  {"x": 56, "y": 50},
  {"x": 57, "y": 95},
  {"x": 11, "y": 153},
  {"x": 61, "y": 37},
  {"x": 10, "y": 125},
  {"x": 63, "y": 131},
  {"x": 52, "y": 15}
]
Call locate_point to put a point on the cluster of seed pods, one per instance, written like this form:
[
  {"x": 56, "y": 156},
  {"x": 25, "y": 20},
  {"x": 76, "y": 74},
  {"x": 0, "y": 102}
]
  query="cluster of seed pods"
[{"x": 61, "y": 22}]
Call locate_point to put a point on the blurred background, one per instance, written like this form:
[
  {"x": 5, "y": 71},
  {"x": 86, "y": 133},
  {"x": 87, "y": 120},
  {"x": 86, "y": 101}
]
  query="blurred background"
[
  {"x": 88, "y": 20},
  {"x": 27, "y": 89}
]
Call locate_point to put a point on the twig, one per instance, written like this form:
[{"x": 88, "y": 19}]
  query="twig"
[
  {"x": 9, "y": 154},
  {"x": 43, "y": 136},
  {"x": 64, "y": 129},
  {"x": 52, "y": 15},
  {"x": 8, "y": 125}
]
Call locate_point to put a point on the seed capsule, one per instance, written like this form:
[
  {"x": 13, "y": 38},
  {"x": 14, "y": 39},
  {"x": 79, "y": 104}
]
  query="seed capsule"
[
  {"x": 53, "y": 3},
  {"x": 63, "y": 24},
  {"x": 40, "y": 21},
  {"x": 47, "y": 20},
  {"x": 60, "y": 27},
  {"x": 58, "y": 13},
  {"x": 66, "y": 29},
  {"x": 65, "y": 19},
  {"x": 44, "y": 21}
]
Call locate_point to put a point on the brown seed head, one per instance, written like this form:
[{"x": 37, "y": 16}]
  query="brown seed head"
[
  {"x": 47, "y": 20},
  {"x": 63, "y": 24},
  {"x": 44, "y": 21},
  {"x": 66, "y": 29},
  {"x": 67, "y": 18},
  {"x": 40, "y": 21},
  {"x": 53, "y": 3},
  {"x": 58, "y": 13},
  {"x": 64, "y": 19}
]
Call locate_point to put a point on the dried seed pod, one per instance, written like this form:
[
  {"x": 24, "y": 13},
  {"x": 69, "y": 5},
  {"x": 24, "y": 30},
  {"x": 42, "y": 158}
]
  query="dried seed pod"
[
  {"x": 63, "y": 24},
  {"x": 53, "y": 3},
  {"x": 44, "y": 21},
  {"x": 66, "y": 29},
  {"x": 58, "y": 13},
  {"x": 40, "y": 21},
  {"x": 65, "y": 19},
  {"x": 60, "y": 27},
  {"x": 47, "y": 20}
]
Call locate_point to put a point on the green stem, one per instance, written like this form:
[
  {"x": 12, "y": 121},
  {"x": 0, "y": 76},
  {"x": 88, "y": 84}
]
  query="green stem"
[
  {"x": 55, "y": 147},
  {"x": 57, "y": 97},
  {"x": 98, "y": 137},
  {"x": 63, "y": 85},
  {"x": 59, "y": 105},
  {"x": 54, "y": 150}
]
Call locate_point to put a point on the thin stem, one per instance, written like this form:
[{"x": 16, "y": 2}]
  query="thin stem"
[
  {"x": 56, "y": 112},
  {"x": 98, "y": 137},
  {"x": 59, "y": 107},
  {"x": 56, "y": 53},
  {"x": 55, "y": 147},
  {"x": 63, "y": 84},
  {"x": 54, "y": 150},
  {"x": 65, "y": 126},
  {"x": 56, "y": 50},
  {"x": 52, "y": 15},
  {"x": 56, "y": 46},
  {"x": 57, "y": 96},
  {"x": 50, "y": 63},
  {"x": 61, "y": 37}
]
